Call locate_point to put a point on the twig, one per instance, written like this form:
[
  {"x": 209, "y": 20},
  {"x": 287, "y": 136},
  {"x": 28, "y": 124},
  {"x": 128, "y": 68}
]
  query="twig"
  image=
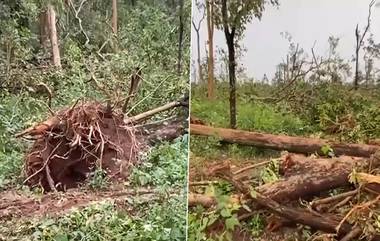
[
  {"x": 251, "y": 167},
  {"x": 203, "y": 183},
  {"x": 340, "y": 204},
  {"x": 361, "y": 206},
  {"x": 333, "y": 198}
]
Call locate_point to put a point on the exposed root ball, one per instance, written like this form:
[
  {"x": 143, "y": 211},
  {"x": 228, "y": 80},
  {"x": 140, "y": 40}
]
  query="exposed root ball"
[{"x": 73, "y": 143}]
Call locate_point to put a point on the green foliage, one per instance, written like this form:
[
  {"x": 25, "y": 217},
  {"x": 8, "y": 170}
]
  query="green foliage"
[
  {"x": 327, "y": 151},
  {"x": 240, "y": 13},
  {"x": 198, "y": 222},
  {"x": 105, "y": 221},
  {"x": 14, "y": 112},
  {"x": 271, "y": 173},
  {"x": 98, "y": 179},
  {"x": 349, "y": 115},
  {"x": 257, "y": 225},
  {"x": 165, "y": 165}
]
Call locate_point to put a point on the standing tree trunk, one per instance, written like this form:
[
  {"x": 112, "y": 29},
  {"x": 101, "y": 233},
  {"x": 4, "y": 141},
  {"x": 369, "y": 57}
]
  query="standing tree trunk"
[
  {"x": 230, "y": 39},
  {"x": 114, "y": 17},
  {"x": 210, "y": 31},
  {"x": 232, "y": 79},
  {"x": 197, "y": 29},
  {"x": 53, "y": 36},
  {"x": 359, "y": 43},
  {"x": 180, "y": 40},
  {"x": 356, "y": 78},
  {"x": 44, "y": 29}
]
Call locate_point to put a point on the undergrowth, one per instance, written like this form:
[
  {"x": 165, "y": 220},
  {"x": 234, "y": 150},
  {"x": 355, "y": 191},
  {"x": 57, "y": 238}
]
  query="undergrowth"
[{"x": 152, "y": 220}]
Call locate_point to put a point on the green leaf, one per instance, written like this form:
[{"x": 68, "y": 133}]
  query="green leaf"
[
  {"x": 253, "y": 193},
  {"x": 225, "y": 213},
  {"x": 232, "y": 222},
  {"x": 61, "y": 237}
]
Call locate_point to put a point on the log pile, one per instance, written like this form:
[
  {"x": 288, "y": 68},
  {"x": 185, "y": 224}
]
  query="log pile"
[{"x": 353, "y": 170}]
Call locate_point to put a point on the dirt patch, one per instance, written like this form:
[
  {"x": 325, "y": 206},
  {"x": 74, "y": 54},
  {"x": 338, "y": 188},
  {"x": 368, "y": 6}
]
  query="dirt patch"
[
  {"x": 75, "y": 141},
  {"x": 15, "y": 205}
]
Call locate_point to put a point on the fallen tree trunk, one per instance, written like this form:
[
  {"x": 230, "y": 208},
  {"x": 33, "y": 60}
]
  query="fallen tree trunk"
[
  {"x": 297, "y": 215},
  {"x": 309, "y": 177},
  {"x": 283, "y": 142}
]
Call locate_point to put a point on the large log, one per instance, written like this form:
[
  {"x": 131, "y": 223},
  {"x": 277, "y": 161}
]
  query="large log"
[
  {"x": 311, "y": 176},
  {"x": 283, "y": 142},
  {"x": 298, "y": 215},
  {"x": 305, "y": 177}
]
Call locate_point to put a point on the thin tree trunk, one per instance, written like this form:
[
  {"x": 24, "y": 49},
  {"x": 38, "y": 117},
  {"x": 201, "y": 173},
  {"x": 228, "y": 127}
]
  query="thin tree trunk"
[
  {"x": 197, "y": 29},
  {"x": 180, "y": 41},
  {"x": 210, "y": 31},
  {"x": 232, "y": 80},
  {"x": 357, "y": 50},
  {"x": 53, "y": 36},
  {"x": 199, "y": 58},
  {"x": 114, "y": 17}
]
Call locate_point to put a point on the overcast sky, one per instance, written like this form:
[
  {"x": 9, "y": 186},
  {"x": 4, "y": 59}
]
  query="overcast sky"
[{"x": 308, "y": 22}]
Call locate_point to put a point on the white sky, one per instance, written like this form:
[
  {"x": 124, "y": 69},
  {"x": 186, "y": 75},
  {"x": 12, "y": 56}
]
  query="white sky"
[{"x": 308, "y": 22}]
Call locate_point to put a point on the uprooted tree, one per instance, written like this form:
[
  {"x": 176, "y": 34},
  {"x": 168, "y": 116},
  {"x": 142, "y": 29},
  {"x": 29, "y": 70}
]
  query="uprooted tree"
[{"x": 75, "y": 141}]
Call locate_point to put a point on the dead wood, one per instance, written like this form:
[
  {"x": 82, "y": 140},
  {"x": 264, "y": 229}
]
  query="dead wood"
[
  {"x": 312, "y": 176},
  {"x": 301, "y": 216},
  {"x": 283, "y": 142},
  {"x": 150, "y": 113},
  {"x": 324, "y": 222},
  {"x": 200, "y": 199}
]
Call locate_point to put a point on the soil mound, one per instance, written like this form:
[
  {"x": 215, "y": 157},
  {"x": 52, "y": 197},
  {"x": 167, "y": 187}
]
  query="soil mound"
[{"x": 75, "y": 141}]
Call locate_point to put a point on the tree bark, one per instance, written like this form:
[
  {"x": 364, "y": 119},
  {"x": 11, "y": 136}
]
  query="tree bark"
[
  {"x": 303, "y": 177},
  {"x": 232, "y": 80},
  {"x": 180, "y": 40},
  {"x": 197, "y": 29},
  {"x": 283, "y": 142},
  {"x": 230, "y": 39},
  {"x": 114, "y": 17},
  {"x": 356, "y": 78},
  {"x": 44, "y": 29},
  {"x": 306, "y": 177},
  {"x": 53, "y": 36},
  {"x": 210, "y": 32}
]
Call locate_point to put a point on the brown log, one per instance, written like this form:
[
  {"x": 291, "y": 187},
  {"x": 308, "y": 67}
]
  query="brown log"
[
  {"x": 150, "y": 113},
  {"x": 195, "y": 199},
  {"x": 283, "y": 142},
  {"x": 315, "y": 175},
  {"x": 297, "y": 215},
  {"x": 311, "y": 176}
]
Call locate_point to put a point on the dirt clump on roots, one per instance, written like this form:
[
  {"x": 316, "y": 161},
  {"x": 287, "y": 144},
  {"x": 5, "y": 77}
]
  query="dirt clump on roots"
[{"x": 75, "y": 141}]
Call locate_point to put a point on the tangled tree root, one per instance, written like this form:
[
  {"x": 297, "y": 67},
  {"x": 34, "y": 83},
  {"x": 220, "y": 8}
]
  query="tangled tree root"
[{"x": 75, "y": 141}]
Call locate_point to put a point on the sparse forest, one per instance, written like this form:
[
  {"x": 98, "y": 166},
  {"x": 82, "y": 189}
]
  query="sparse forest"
[
  {"x": 293, "y": 157},
  {"x": 93, "y": 109}
]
